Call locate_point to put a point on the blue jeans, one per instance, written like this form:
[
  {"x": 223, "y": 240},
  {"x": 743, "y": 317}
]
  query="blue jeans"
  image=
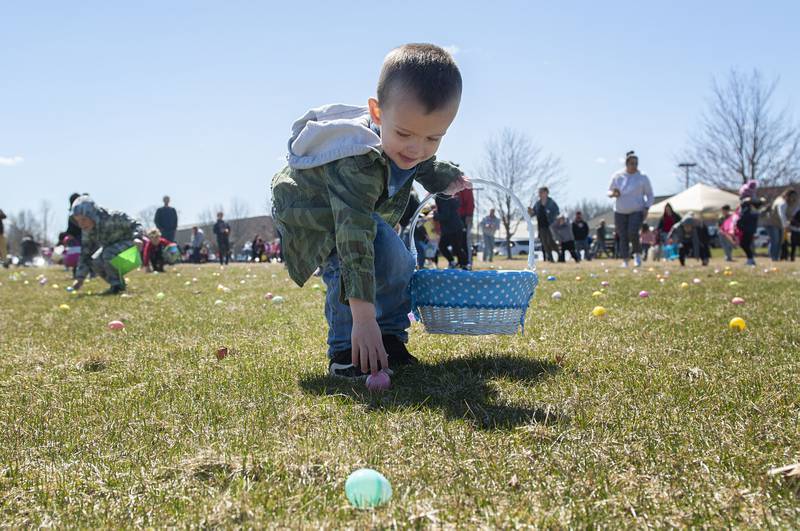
[
  {"x": 101, "y": 266},
  {"x": 393, "y": 269},
  {"x": 775, "y": 241},
  {"x": 727, "y": 247},
  {"x": 628, "y": 227},
  {"x": 583, "y": 245}
]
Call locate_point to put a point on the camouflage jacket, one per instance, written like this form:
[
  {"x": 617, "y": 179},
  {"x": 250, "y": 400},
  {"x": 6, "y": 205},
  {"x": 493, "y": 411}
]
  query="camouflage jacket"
[
  {"x": 330, "y": 207},
  {"x": 109, "y": 228}
]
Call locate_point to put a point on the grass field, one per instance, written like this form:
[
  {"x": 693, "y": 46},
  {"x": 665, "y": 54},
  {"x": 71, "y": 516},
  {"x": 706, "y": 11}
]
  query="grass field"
[{"x": 657, "y": 415}]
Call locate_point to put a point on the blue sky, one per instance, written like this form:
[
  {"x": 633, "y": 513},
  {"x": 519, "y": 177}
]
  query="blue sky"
[{"x": 129, "y": 101}]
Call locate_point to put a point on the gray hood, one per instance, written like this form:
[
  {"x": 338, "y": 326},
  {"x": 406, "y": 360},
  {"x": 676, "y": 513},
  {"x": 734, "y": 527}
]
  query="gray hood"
[
  {"x": 84, "y": 206},
  {"x": 329, "y": 133}
]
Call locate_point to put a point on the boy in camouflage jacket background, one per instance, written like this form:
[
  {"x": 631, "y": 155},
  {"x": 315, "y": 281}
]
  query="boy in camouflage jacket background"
[
  {"x": 348, "y": 181},
  {"x": 105, "y": 235}
]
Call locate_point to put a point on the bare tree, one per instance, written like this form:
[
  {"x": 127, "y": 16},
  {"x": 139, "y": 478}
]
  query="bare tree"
[
  {"x": 24, "y": 223},
  {"x": 588, "y": 208},
  {"x": 238, "y": 210},
  {"x": 45, "y": 214},
  {"x": 208, "y": 215},
  {"x": 147, "y": 216},
  {"x": 741, "y": 136},
  {"x": 515, "y": 162}
]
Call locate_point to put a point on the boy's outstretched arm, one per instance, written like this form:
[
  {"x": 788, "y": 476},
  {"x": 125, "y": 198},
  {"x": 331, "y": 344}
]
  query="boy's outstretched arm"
[
  {"x": 368, "y": 351},
  {"x": 353, "y": 192}
]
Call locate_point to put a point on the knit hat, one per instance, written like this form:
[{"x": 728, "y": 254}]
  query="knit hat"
[
  {"x": 748, "y": 189},
  {"x": 630, "y": 155}
]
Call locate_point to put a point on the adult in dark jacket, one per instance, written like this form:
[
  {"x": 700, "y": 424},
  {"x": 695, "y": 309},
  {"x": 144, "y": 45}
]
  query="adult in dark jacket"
[
  {"x": 166, "y": 220},
  {"x": 545, "y": 210},
  {"x": 223, "y": 233},
  {"x": 452, "y": 231},
  {"x": 580, "y": 229}
]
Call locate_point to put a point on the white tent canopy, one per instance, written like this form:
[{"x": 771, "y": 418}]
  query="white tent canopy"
[{"x": 703, "y": 200}]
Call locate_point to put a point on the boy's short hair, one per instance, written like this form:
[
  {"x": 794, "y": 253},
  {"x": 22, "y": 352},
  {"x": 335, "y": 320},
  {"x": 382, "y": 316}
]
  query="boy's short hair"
[
  {"x": 424, "y": 69},
  {"x": 544, "y": 189}
]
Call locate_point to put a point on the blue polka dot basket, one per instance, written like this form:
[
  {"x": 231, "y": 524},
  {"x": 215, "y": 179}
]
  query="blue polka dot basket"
[{"x": 452, "y": 301}]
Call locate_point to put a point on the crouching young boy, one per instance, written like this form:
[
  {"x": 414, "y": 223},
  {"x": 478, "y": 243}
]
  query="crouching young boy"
[
  {"x": 347, "y": 184},
  {"x": 105, "y": 235}
]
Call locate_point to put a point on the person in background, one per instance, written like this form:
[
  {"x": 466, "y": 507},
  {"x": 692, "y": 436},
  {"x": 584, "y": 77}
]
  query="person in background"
[
  {"x": 420, "y": 237},
  {"x": 153, "y": 252},
  {"x": 452, "y": 232},
  {"x": 777, "y": 220},
  {"x": 599, "y": 246},
  {"x": 580, "y": 229},
  {"x": 665, "y": 224},
  {"x": 166, "y": 220},
  {"x": 198, "y": 236},
  {"x": 633, "y": 196},
  {"x": 466, "y": 210},
  {"x": 647, "y": 239},
  {"x": 105, "y": 235},
  {"x": 545, "y": 210},
  {"x": 258, "y": 249},
  {"x": 749, "y": 205},
  {"x": 434, "y": 231},
  {"x": 794, "y": 231},
  {"x": 691, "y": 235},
  {"x": 223, "y": 232},
  {"x": 489, "y": 226},
  {"x": 3, "y": 242},
  {"x": 562, "y": 233},
  {"x": 726, "y": 237}
]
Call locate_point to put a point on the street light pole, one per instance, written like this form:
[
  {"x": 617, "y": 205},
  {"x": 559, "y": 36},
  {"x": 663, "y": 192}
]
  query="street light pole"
[{"x": 687, "y": 166}]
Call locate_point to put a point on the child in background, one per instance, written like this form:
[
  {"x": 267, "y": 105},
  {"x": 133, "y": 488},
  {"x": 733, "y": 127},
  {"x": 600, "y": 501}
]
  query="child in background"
[
  {"x": 105, "y": 235},
  {"x": 153, "y": 252},
  {"x": 348, "y": 181},
  {"x": 648, "y": 239}
]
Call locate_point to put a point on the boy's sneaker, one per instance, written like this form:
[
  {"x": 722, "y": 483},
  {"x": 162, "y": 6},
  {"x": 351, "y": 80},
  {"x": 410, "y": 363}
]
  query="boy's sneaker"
[
  {"x": 624, "y": 264},
  {"x": 340, "y": 365},
  {"x": 114, "y": 290},
  {"x": 397, "y": 351},
  {"x": 637, "y": 260}
]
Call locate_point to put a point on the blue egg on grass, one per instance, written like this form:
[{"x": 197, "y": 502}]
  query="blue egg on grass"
[
  {"x": 366, "y": 488},
  {"x": 551, "y": 278}
]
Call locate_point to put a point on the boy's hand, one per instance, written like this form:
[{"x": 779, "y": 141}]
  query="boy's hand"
[
  {"x": 367, "y": 344},
  {"x": 462, "y": 183}
]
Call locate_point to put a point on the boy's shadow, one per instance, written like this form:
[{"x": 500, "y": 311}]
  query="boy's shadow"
[{"x": 461, "y": 388}]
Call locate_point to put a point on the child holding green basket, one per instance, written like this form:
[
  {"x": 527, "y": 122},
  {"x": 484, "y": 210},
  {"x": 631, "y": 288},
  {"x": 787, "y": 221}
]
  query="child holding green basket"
[{"x": 109, "y": 246}]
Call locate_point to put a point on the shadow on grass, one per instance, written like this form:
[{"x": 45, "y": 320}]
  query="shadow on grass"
[{"x": 461, "y": 388}]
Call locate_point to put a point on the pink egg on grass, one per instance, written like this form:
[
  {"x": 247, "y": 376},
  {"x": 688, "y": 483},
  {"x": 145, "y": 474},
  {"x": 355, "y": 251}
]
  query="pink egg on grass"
[
  {"x": 378, "y": 382},
  {"x": 268, "y": 296},
  {"x": 116, "y": 325},
  {"x": 604, "y": 283},
  {"x": 644, "y": 294},
  {"x": 737, "y": 301}
]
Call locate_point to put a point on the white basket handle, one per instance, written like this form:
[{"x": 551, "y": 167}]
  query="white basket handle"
[{"x": 531, "y": 253}]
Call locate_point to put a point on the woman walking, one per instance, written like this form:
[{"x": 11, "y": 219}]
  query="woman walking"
[{"x": 634, "y": 196}]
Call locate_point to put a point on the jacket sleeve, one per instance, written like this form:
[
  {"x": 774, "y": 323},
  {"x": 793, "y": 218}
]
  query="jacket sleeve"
[
  {"x": 353, "y": 193},
  {"x": 435, "y": 175}
]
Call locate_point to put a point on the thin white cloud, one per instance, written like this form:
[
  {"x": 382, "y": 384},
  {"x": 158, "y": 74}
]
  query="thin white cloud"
[
  {"x": 600, "y": 160},
  {"x": 621, "y": 160},
  {"x": 11, "y": 161},
  {"x": 453, "y": 49}
]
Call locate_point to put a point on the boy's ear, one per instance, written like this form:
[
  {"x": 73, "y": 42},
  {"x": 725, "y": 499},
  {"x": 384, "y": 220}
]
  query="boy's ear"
[{"x": 374, "y": 111}]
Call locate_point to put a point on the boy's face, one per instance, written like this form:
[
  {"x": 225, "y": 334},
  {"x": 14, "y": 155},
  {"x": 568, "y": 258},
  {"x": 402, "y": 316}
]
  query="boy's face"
[
  {"x": 409, "y": 135},
  {"x": 83, "y": 222}
]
